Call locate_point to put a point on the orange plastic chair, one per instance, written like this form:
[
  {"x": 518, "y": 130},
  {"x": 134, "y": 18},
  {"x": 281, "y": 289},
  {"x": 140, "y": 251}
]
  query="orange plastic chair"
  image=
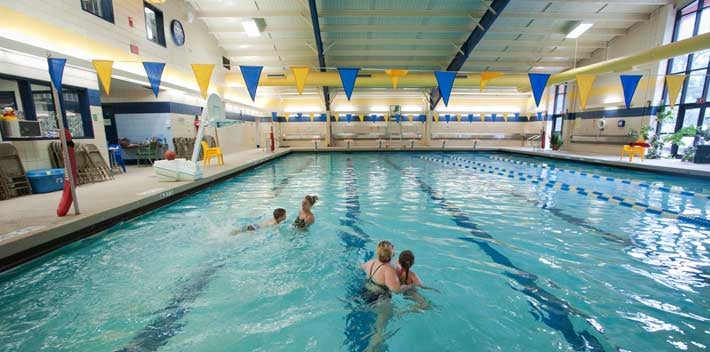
[
  {"x": 209, "y": 153},
  {"x": 633, "y": 151}
]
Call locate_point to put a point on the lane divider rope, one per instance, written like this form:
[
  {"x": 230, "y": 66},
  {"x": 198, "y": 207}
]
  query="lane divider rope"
[
  {"x": 672, "y": 189},
  {"x": 629, "y": 203}
]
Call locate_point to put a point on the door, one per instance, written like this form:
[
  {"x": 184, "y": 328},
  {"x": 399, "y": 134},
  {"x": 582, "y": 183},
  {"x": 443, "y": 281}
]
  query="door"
[{"x": 110, "y": 124}]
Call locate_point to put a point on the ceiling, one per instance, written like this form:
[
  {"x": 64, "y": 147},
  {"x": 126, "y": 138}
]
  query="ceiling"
[{"x": 529, "y": 35}]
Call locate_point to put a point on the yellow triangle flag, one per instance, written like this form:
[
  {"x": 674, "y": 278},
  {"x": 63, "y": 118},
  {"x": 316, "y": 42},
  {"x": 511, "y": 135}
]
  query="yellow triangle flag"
[
  {"x": 104, "y": 69},
  {"x": 584, "y": 86},
  {"x": 287, "y": 118},
  {"x": 337, "y": 118},
  {"x": 395, "y": 75},
  {"x": 300, "y": 74},
  {"x": 505, "y": 117},
  {"x": 674, "y": 83},
  {"x": 203, "y": 74},
  {"x": 313, "y": 117},
  {"x": 483, "y": 117},
  {"x": 361, "y": 117},
  {"x": 436, "y": 118},
  {"x": 411, "y": 117},
  {"x": 487, "y": 76},
  {"x": 387, "y": 117},
  {"x": 458, "y": 117}
]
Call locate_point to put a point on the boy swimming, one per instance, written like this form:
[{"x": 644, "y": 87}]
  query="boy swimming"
[{"x": 279, "y": 216}]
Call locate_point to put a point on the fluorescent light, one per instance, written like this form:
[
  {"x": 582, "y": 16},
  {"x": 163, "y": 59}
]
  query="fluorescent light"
[
  {"x": 251, "y": 28},
  {"x": 379, "y": 108},
  {"x": 412, "y": 108},
  {"x": 578, "y": 30},
  {"x": 345, "y": 108}
]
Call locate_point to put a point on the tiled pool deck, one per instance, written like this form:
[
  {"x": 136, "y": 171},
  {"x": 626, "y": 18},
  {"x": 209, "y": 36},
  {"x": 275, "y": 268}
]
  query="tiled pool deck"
[{"x": 29, "y": 226}]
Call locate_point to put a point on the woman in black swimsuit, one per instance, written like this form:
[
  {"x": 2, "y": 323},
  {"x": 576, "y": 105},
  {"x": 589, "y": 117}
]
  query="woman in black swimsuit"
[{"x": 305, "y": 216}]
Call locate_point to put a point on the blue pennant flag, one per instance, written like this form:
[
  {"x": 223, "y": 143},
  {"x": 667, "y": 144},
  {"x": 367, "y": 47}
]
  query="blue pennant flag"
[
  {"x": 470, "y": 117},
  {"x": 493, "y": 117},
  {"x": 539, "y": 115},
  {"x": 348, "y": 118},
  {"x": 348, "y": 77},
  {"x": 154, "y": 71},
  {"x": 445, "y": 80},
  {"x": 274, "y": 116},
  {"x": 56, "y": 71},
  {"x": 538, "y": 81},
  {"x": 300, "y": 116},
  {"x": 517, "y": 116},
  {"x": 251, "y": 75},
  {"x": 629, "y": 84},
  {"x": 447, "y": 117}
]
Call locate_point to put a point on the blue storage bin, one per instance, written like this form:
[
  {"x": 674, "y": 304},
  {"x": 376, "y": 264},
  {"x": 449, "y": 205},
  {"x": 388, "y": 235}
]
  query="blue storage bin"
[{"x": 46, "y": 180}]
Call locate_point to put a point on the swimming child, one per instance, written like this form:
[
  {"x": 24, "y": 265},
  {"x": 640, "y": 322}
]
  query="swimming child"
[
  {"x": 408, "y": 277},
  {"x": 305, "y": 216},
  {"x": 279, "y": 216}
]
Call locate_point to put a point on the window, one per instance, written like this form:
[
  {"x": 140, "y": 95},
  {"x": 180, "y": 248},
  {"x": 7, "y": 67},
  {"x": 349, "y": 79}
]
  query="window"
[
  {"x": 33, "y": 101},
  {"x": 100, "y": 8},
  {"x": 154, "y": 28},
  {"x": 692, "y": 107},
  {"x": 560, "y": 97}
]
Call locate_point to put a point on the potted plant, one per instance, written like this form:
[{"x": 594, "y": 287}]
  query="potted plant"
[{"x": 556, "y": 140}]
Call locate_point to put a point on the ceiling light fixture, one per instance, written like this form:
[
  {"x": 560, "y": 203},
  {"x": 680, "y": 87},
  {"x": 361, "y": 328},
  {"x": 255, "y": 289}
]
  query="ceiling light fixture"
[
  {"x": 578, "y": 30},
  {"x": 251, "y": 28}
]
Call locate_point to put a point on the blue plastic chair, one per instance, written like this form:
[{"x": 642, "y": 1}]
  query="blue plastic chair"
[{"x": 117, "y": 155}]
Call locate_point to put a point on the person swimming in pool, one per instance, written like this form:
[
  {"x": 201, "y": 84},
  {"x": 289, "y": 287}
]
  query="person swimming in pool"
[
  {"x": 279, "y": 216},
  {"x": 305, "y": 216},
  {"x": 381, "y": 281},
  {"x": 408, "y": 277}
]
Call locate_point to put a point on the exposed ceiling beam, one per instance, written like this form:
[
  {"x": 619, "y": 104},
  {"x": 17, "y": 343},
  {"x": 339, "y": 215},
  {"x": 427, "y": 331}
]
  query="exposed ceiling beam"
[
  {"x": 571, "y": 15},
  {"x": 364, "y": 54},
  {"x": 626, "y": 2},
  {"x": 319, "y": 44},
  {"x": 261, "y": 43}
]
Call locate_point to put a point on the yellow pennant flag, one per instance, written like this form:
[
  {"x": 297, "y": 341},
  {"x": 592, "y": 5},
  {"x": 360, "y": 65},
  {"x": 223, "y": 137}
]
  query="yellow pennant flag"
[
  {"x": 386, "y": 117},
  {"x": 584, "y": 85},
  {"x": 203, "y": 74},
  {"x": 361, "y": 117},
  {"x": 487, "y": 76},
  {"x": 411, "y": 117},
  {"x": 436, "y": 118},
  {"x": 483, "y": 117},
  {"x": 300, "y": 74},
  {"x": 458, "y": 117},
  {"x": 505, "y": 117},
  {"x": 313, "y": 117},
  {"x": 287, "y": 118},
  {"x": 337, "y": 118},
  {"x": 674, "y": 83},
  {"x": 104, "y": 69},
  {"x": 529, "y": 116},
  {"x": 395, "y": 75}
]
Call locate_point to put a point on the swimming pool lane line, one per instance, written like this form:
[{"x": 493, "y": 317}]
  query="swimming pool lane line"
[
  {"x": 161, "y": 329},
  {"x": 609, "y": 198},
  {"x": 358, "y": 321},
  {"x": 671, "y": 189},
  {"x": 557, "y": 310}
]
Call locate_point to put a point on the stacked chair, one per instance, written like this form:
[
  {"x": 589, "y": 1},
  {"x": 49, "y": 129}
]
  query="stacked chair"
[
  {"x": 13, "y": 179},
  {"x": 90, "y": 164}
]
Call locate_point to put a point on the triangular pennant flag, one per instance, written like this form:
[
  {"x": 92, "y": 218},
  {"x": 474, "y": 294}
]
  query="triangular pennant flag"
[
  {"x": 300, "y": 116},
  {"x": 395, "y": 75},
  {"x": 313, "y": 117},
  {"x": 445, "y": 80},
  {"x": 584, "y": 85},
  {"x": 154, "y": 71},
  {"x": 539, "y": 115},
  {"x": 529, "y": 116},
  {"x": 487, "y": 76},
  {"x": 505, "y": 117},
  {"x": 458, "y": 117},
  {"x": 300, "y": 74},
  {"x": 104, "y": 69},
  {"x": 410, "y": 117},
  {"x": 538, "y": 81},
  {"x": 493, "y": 117},
  {"x": 629, "y": 84},
  {"x": 447, "y": 117},
  {"x": 349, "y": 118},
  {"x": 56, "y": 71},
  {"x": 517, "y": 116},
  {"x": 337, "y": 118},
  {"x": 274, "y": 116},
  {"x": 387, "y": 118},
  {"x": 287, "y": 116},
  {"x": 436, "y": 118},
  {"x": 348, "y": 77},
  {"x": 203, "y": 74},
  {"x": 251, "y": 75},
  {"x": 674, "y": 84},
  {"x": 361, "y": 117},
  {"x": 482, "y": 117},
  {"x": 470, "y": 117}
]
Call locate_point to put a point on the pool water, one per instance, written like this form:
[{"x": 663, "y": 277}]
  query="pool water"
[{"x": 518, "y": 266}]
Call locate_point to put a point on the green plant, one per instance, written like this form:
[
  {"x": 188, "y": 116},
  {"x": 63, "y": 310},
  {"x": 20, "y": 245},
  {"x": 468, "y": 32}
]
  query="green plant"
[
  {"x": 556, "y": 140},
  {"x": 656, "y": 146},
  {"x": 664, "y": 115},
  {"x": 633, "y": 133},
  {"x": 645, "y": 132},
  {"x": 677, "y": 138}
]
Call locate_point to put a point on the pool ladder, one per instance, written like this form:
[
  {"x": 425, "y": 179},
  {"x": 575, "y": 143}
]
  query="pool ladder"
[{"x": 535, "y": 142}]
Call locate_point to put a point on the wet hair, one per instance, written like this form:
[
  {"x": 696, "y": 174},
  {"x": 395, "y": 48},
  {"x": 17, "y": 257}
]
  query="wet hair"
[
  {"x": 406, "y": 260},
  {"x": 279, "y": 213},
  {"x": 312, "y": 199},
  {"x": 383, "y": 251}
]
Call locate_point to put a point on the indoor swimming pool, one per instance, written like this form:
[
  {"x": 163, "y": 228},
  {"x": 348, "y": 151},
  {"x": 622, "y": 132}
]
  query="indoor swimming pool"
[{"x": 526, "y": 254}]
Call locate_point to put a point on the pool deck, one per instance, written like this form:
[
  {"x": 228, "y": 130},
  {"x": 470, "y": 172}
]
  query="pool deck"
[{"x": 30, "y": 228}]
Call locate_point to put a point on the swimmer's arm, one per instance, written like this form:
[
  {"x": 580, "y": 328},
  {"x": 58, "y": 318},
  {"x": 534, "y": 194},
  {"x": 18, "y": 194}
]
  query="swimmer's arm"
[
  {"x": 415, "y": 279},
  {"x": 392, "y": 282}
]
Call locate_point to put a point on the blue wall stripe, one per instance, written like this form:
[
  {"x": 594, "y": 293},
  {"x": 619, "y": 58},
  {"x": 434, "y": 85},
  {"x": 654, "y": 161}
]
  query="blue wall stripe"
[{"x": 162, "y": 107}]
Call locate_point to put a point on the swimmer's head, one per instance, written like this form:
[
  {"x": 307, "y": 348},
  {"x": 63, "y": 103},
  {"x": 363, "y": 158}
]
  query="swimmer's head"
[
  {"x": 406, "y": 259},
  {"x": 309, "y": 201},
  {"x": 384, "y": 251},
  {"x": 279, "y": 214}
]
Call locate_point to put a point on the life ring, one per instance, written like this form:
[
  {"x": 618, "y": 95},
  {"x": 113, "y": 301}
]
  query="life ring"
[{"x": 601, "y": 123}]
